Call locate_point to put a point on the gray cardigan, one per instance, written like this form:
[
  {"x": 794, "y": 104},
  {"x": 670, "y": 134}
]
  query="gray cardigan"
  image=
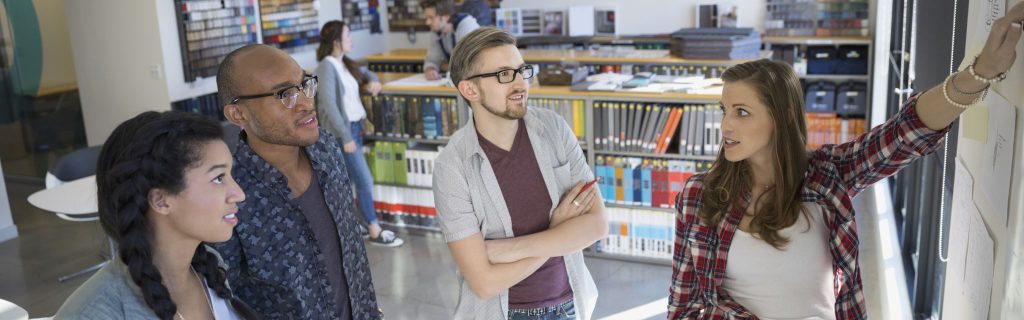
[
  {"x": 109, "y": 294},
  {"x": 330, "y": 111}
]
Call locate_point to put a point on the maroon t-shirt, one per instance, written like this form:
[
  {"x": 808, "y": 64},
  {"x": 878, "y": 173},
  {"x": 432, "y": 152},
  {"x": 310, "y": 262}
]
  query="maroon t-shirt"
[{"x": 526, "y": 197}]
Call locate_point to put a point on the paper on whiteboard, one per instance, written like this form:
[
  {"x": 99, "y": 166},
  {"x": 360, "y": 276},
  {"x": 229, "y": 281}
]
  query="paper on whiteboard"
[
  {"x": 977, "y": 284},
  {"x": 997, "y": 158},
  {"x": 1013, "y": 301},
  {"x": 959, "y": 223}
]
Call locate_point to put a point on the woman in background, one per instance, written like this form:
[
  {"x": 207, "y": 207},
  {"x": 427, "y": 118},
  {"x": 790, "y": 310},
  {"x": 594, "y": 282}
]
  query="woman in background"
[
  {"x": 340, "y": 110},
  {"x": 164, "y": 189}
]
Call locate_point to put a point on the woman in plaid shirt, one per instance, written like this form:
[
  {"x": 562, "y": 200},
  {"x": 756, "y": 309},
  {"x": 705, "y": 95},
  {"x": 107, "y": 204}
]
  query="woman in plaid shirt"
[{"x": 784, "y": 217}]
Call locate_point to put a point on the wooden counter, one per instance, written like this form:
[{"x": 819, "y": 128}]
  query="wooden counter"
[
  {"x": 561, "y": 91},
  {"x": 582, "y": 56}
]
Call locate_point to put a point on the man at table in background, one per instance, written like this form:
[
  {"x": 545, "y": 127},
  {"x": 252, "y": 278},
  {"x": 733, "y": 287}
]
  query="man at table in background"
[
  {"x": 510, "y": 197},
  {"x": 479, "y": 9},
  {"x": 448, "y": 28}
]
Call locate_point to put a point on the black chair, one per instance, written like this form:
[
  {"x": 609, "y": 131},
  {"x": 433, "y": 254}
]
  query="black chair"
[{"x": 73, "y": 166}]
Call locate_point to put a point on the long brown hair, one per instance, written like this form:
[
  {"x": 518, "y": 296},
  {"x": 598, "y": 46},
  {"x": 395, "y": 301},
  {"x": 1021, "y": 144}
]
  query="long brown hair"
[
  {"x": 779, "y": 89},
  {"x": 332, "y": 31}
]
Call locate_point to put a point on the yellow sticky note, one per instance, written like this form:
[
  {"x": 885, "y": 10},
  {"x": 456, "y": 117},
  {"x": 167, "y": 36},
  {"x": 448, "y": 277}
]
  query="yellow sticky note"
[{"x": 974, "y": 123}]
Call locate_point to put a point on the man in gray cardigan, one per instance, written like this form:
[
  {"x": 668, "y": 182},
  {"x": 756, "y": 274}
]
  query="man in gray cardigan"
[{"x": 448, "y": 28}]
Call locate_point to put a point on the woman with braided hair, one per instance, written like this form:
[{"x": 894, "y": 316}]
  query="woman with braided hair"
[{"x": 164, "y": 189}]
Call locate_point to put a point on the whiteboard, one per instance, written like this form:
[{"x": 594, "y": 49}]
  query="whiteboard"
[{"x": 1006, "y": 229}]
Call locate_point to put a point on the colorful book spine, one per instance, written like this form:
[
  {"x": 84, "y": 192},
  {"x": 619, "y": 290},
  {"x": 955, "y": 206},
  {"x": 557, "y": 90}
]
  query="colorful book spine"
[
  {"x": 639, "y": 232},
  {"x": 572, "y": 110},
  {"x": 644, "y": 182},
  {"x": 827, "y": 128},
  {"x": 658, "y": 128},
  {"x": 421, "y": 117}
]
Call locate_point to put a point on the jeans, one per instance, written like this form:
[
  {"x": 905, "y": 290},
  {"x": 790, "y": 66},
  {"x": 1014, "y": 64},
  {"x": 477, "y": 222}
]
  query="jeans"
[
  {"x": 360, "y": 175},
  {"x": 564, "y": 311}
]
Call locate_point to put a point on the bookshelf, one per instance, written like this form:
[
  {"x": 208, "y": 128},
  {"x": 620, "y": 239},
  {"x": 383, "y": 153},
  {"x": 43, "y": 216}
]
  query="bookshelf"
[
  {"x": 641, "y": 227},
  {"x": 642, "y": 42},
  {"x": 827, "y": 65},
  {"x": 578, "y": 107}
]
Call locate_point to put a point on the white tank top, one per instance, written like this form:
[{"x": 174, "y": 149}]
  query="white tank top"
[
  {"x": 794, "y": 283},
  {"x": 222, "y": 309},
  {"x": 351, "y": 102}
]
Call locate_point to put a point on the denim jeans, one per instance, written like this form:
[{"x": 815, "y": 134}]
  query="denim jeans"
[
  {"x": 564, "y": 311},
  {"x": 360, "y": 175}
]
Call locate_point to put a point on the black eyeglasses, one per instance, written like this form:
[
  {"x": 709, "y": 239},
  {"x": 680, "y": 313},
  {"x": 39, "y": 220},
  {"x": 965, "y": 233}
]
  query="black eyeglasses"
[
  {"x": 289, "y": 95},
  {"x": 507, "y": 75}
]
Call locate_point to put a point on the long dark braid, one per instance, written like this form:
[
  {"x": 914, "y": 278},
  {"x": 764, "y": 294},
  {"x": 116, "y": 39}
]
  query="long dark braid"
[{"x": 151, "y": 151}]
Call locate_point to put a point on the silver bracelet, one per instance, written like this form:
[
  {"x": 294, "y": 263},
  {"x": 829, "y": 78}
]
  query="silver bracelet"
[
  {"x": 999, "y": 77},
  {"x": 945, "y": 94},
  {"x": 957, "y": 89}
]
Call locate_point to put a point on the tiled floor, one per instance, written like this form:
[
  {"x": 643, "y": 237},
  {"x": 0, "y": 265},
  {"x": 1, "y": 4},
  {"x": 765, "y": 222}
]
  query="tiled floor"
[{"x": 415, "y": 281}]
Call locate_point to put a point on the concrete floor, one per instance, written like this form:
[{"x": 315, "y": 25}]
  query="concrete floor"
[{"x": 415, "y": 281}]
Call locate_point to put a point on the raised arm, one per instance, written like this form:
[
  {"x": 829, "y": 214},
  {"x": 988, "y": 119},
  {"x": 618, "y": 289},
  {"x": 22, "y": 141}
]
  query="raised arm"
[
  {"x": 996, "y": 58},
  {"x": 919, "y": 127}
]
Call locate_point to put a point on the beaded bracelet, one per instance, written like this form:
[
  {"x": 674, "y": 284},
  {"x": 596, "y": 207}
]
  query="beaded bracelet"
[
  {"x": 999, "y": 77},
  {"x": 945, "y": 94}
]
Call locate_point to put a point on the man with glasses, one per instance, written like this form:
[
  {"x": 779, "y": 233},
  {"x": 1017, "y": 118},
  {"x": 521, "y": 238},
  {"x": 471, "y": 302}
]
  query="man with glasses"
[
  {"x": 509, "y": 194},
  {"x": 296, "y": 252}
]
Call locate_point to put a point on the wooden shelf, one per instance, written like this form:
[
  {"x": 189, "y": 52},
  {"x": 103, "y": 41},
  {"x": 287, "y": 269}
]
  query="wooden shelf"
[
  {"x": 556, "y": 56},
  {"x": 411, "y": 226},
  {"x": 627, "y": 257},
  {"x": 654, "y": 155},
  {"x": 551, "y": 91},
  {"x": 398, "y": 139},
  {"x": 402, "y": 185},
  {"x": 835, "y": 77},
  {"x": 817, "y": 40},
  {"x": 639, "y": 207}
]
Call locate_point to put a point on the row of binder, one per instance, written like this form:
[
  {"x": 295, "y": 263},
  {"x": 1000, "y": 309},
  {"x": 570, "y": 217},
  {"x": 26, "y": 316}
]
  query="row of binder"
[
  {"x": 396, "y": 163},
  {"x": 652, "y": 128},
  {"x": 426, "y": 117},
  {"x": 644, "y": 182},
  {"x": 638, "y": 232}
]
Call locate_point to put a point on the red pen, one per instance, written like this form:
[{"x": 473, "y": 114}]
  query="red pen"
[{"x": 586, "y": 186}]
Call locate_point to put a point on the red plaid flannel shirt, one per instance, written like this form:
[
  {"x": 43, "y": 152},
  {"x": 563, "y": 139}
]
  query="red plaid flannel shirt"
[{"x": 836, "y": 173}]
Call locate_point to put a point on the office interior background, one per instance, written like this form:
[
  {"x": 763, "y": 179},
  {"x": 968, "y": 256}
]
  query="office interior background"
[{"x": 70, "y": 71}]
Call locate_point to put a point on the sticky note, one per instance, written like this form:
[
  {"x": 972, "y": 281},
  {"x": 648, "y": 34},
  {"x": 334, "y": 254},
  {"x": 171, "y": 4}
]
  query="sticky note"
[{"x": 974, "y": 123}]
